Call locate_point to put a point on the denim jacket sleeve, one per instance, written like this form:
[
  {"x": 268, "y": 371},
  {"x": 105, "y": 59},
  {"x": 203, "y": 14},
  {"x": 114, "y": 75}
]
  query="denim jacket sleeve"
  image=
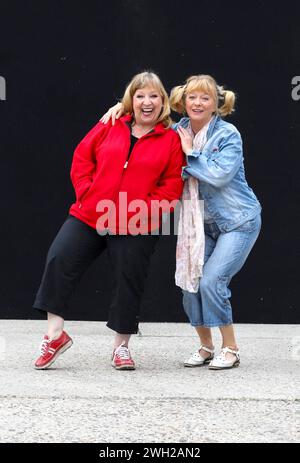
[{"x": 220, "y": 166}]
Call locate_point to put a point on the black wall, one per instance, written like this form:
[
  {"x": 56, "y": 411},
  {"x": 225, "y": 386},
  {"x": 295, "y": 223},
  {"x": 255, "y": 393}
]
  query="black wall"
[{"x": 65, "y": 62}]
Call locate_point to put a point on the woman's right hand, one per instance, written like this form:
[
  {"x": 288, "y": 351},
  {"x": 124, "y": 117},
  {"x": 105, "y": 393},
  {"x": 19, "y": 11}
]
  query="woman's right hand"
[{"x": 115, "y": 112}]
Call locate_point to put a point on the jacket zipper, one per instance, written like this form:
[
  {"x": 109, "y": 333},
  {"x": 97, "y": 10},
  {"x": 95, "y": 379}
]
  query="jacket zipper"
[
  {"x": 123, "y": 171},
  {"x": 129, "y": 156}
]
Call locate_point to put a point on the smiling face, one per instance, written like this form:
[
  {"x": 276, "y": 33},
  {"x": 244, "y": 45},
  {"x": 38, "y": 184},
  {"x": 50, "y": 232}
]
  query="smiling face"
[
  {"x": 147, "y": 104},
  {"x": 199, "y": 106}
]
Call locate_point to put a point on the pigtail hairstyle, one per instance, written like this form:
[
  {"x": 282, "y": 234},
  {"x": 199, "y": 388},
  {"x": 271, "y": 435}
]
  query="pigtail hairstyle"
[{"x": 224, "y": 99}]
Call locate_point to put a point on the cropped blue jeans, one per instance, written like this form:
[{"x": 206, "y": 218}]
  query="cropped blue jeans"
[{"x": 225, "y": 254}]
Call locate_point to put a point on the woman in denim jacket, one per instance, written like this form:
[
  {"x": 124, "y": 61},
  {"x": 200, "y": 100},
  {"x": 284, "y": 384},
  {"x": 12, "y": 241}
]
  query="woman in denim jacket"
[
  {"x": 232, "y": 213},
  {"x": 232, "y": 218}
]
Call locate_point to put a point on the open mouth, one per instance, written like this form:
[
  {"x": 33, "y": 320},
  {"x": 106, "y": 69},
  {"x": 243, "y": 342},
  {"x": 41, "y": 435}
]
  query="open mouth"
[
  {"x": 198, "y": 111},
  {"x": 147, "y": 111}
]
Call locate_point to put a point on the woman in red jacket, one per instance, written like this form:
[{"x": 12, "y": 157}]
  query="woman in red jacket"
[{"x": 124, "y": 177}]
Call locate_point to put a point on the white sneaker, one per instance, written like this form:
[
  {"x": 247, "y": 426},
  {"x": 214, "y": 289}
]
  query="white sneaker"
[
  {"x": 220, "y": 362},
  {"x": 196, "y": 360}
]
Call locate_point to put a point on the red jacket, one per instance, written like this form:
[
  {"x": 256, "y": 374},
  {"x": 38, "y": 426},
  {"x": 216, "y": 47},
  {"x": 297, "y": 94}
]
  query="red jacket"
[{"x": 99, "y": 172}]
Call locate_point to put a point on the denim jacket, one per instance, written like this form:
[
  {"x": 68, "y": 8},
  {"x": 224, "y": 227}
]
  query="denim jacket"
[{"x": 219, "y": 167}]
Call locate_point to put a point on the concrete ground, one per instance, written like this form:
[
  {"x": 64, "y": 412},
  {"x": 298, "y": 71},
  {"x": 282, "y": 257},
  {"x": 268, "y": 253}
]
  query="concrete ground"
[{"x": 83, "y": 399}]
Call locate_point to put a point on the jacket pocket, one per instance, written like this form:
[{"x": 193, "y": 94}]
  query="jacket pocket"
[
  {"x": 83, "y": 190},
  {"x": 250, "y": 225}
]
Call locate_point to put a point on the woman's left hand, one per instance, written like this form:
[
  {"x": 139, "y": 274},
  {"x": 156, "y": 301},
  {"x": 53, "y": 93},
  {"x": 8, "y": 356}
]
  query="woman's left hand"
[{"x": 186, "y": 140}]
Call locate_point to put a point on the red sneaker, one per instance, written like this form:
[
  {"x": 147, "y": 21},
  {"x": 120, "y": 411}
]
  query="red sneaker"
[
  {"x": 50, "y": 350},
  {"x": 121, "y": 358}
]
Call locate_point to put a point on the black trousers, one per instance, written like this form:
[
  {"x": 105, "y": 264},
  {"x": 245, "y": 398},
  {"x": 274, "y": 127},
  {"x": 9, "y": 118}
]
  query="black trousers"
[{"x": 75, "y": 247}]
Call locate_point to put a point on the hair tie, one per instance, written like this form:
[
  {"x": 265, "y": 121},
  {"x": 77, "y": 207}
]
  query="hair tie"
[{"x": 221, "y": 98}]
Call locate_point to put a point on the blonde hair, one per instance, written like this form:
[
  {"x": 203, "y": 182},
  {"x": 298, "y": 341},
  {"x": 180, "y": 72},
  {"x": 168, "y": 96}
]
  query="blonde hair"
[
  {"x": 224, "y": 99},
  {"x": 142, "y": 80}
]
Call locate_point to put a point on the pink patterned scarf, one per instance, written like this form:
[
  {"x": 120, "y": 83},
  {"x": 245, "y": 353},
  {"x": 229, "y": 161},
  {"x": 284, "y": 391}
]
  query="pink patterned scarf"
[{"x": 191, "y": 238}]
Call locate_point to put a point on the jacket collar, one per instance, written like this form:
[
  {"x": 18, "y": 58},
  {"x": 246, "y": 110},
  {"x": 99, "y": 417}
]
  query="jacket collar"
[
  {"x": 212, "y": 125},
  {"x": 158, "y": 128}
]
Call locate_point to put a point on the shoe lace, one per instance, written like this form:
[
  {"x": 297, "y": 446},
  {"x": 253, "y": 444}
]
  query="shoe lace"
[
  {"x": 44, "y": 346},
  {"x": 123, "y": 352}
]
